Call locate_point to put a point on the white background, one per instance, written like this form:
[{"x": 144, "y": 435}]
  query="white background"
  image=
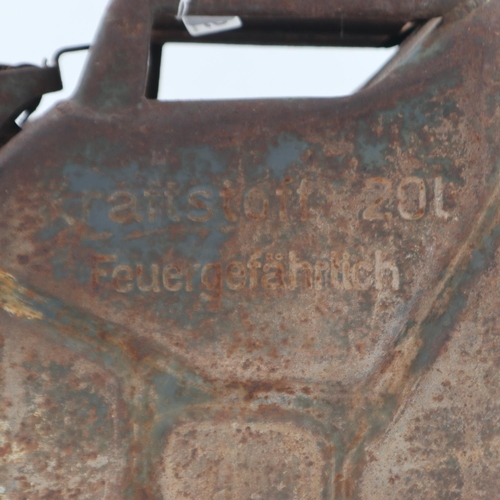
[{"x": 33, "y": 30}]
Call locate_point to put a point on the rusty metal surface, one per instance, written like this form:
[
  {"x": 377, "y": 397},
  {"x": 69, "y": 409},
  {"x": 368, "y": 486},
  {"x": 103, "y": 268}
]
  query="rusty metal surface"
[
  {"x": 272, "y": 299},
  {"x": 385, "y": 10},
  {"x": 21, "y": 89}
]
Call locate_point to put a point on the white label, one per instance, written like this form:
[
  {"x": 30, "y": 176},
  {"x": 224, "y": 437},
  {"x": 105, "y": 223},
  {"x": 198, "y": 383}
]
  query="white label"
[{"x": 208, "y": 25}]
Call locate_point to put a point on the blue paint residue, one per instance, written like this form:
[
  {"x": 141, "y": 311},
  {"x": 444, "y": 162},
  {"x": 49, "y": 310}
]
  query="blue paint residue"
[
  {"x": 142, "y": 238},
  {"x": 287, "y": 152}
]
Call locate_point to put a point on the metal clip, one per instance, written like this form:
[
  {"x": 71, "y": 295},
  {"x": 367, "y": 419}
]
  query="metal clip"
[{"x": 206, "y": 25}]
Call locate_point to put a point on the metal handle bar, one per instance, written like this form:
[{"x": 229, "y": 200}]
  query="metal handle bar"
[{"x": 116, "y": 72}]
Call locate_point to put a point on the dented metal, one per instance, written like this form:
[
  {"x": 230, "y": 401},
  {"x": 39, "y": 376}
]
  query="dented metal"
[{"x": 265, "y": 299}]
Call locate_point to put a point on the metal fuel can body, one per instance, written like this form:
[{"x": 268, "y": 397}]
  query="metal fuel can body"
[{"x": 264, "y": 299}]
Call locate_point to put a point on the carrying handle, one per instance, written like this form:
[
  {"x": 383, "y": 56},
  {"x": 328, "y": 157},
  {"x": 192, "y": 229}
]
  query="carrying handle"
[{"x": 116, "y": 72}]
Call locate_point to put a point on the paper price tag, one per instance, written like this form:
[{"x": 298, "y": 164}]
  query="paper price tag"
[{"x": 208, "y": 25}]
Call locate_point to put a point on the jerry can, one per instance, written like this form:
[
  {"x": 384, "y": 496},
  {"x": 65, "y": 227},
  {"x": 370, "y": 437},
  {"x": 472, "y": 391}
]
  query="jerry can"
[{"x": 281, "y": 299}]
